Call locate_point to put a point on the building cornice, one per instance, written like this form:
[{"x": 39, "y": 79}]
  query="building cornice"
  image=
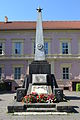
[{"x": 49, "y": 57}]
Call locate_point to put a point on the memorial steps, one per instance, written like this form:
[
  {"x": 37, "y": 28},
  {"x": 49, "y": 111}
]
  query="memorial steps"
[{"x": 41, "y": 107}]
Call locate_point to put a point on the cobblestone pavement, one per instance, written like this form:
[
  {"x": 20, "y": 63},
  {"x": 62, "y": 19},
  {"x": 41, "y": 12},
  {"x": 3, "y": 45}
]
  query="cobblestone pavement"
[{"x": 7, "y": 98}]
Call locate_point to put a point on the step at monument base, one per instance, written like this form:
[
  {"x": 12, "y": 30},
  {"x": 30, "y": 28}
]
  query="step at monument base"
[{"x": 39, "y": 107}]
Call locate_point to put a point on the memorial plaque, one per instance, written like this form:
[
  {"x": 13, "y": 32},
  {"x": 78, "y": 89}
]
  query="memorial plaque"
[
  {"x": 40, "y": 89},
  {"x": 39, "y": 78}
]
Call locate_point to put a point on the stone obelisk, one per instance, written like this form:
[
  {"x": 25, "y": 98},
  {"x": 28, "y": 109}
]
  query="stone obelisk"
[
  {"x": 39, "y": 50},
  {"x": 39, "y": 65}
]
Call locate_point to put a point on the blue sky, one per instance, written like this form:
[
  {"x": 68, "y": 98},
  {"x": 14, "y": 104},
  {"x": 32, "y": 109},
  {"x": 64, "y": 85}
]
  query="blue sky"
[{"x": 25, "y": 10}]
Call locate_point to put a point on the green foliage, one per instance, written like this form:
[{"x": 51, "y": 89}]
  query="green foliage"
[{"x": 78, "y": 87}]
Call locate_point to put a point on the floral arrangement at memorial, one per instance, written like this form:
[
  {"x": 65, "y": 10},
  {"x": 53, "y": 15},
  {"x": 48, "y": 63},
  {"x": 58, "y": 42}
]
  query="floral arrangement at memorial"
[{"x": 39, "y": 98}]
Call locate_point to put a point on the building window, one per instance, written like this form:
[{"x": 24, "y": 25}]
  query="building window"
[
  {"x": 65, "y": 48},
  {"x": 34, "y": 47},
  {"x": 17, "y": 48},
  {"x": 79, "y": 47},
  {"x": 65, "y": 72},
  {"x": 17, "y": 72},
  {"x": 1, "y": 48},
  {"x": 46, "y": 47},
  {"x": 0, "y": 72}
]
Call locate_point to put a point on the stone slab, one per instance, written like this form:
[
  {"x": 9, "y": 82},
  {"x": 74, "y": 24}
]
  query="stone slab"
[
  {"x": 39, "y": 79},
  {"x": 67, "y": 109},
  {"x": 40, "y": 89},
  {"x": 41, "y": 109},
  {"x": 40, "y": 113},
  {"x": 40, "y": 105}
]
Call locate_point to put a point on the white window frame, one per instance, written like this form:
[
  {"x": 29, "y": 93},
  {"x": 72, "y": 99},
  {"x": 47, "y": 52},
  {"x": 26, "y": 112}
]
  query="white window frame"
[
  {"x": 14, "y": 41},
  {"x": 3, "y": 46},
  {"x": 17, "y": 66},
  {"x": 66, "y": 73},
  {"x": 65, "y": 48},
  {"x": 17, "y": 48},
  {"x": 68, "y": 41},
  {"x": 65, "y": 65},
  {"x": 17, "y": 77}
]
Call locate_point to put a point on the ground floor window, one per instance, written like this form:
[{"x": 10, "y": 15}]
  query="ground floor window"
[
  {"x": 17, "y": 72},
  {"x": 65, "y": 72}
]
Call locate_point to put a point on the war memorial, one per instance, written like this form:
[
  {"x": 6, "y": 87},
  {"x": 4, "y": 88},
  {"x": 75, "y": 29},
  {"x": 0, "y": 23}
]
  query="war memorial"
[{"x": 40, "y": 92}]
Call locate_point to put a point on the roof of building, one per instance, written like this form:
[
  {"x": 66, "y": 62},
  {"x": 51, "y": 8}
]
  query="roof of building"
[{"x": 19, "y": 25}]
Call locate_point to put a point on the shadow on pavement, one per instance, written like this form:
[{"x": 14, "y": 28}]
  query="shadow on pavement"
[
  {"x": 74, "y": 110},
  {"x": 6, "y": 92},
  {"x": 72, "y": 98}
]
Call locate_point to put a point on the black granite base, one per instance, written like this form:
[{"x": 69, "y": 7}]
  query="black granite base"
[
  {"x": 39, "y": 67},
  {"x": 16, "y": 107}
]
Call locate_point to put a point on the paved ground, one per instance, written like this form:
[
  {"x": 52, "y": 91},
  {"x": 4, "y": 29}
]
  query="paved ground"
[{"x": 6, "y": 99}]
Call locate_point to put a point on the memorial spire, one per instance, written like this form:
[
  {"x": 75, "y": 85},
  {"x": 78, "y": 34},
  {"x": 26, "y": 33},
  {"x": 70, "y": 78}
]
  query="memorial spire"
[{"x": 39, "y": 43}]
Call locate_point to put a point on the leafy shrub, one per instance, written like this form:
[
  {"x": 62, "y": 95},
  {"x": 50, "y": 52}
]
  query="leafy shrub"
[{"x": 78, "y": 87}]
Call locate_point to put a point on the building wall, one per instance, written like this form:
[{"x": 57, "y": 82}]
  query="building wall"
[
  {"x": 54, "y": 37},
  {"x": 58, "y": 35},
  {"x": 74, "y": 68},
  {"x": 10, "y": 36},
  {"x": 9, "y": 65}
]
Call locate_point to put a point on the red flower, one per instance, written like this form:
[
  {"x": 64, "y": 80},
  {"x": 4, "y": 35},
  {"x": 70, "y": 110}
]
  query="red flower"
[
  {"x": 34, "y": 93},
  {"x": 37, "y": 97},
  {"x": 41, "y": 98},
  {"x": 25, "y": 96}
]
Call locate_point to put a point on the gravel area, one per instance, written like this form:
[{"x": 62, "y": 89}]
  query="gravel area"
[{"x": 7, "y": 98}]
